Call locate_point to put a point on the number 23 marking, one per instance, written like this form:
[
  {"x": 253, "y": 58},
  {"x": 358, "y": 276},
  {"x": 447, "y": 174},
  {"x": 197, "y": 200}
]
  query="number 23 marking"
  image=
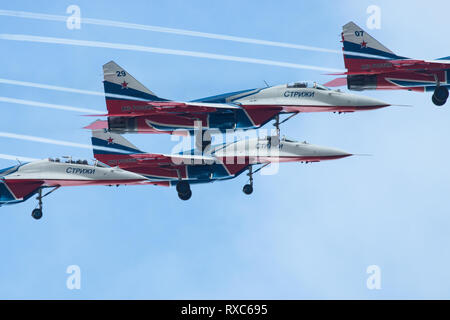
[{"x": 121, "y": 73}]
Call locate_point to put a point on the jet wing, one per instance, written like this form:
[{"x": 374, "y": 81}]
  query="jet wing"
[
  {"x": 392, "y": 66},
  {"x": 125, "y": 161},
  {"x": 170, "y": 108},
  {"x": 156, "y": 167}
]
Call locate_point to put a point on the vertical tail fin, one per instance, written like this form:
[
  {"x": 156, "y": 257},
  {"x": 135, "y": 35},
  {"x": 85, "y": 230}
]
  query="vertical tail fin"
[
  {"x": 121, "y": 87},
  {"x": 361, "y": 48}
]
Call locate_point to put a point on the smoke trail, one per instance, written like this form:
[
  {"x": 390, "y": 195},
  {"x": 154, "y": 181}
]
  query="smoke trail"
[
  {"x": 135, "y": 26},
  {"x": 10, "y": 135},
  {"x": 12, "y": 157},
  {"x": 47, "y": 105},
  {"x": 121, "y": 46}
]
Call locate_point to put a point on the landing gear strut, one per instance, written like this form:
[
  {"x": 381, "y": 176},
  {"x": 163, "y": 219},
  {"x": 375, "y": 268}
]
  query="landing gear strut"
[
  {"x": 275, "y": 141},
  {"x": 248, "y": 188},
  {"x": 37, "y": 213},
  {"x": 440, "y": 94},
  {"x": 184, "y": 190}
]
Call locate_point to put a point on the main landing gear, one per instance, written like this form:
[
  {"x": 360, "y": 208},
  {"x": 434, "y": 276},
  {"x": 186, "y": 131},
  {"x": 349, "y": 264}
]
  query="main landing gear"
[
  {"x": 37, "y": 213},
  {"x": 184, "y": 190},
  {"x": 440, "y": 94}
]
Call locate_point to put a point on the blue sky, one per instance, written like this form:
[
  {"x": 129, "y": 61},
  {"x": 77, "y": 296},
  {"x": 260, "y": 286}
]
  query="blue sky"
[{"x": 307, "y": 232}]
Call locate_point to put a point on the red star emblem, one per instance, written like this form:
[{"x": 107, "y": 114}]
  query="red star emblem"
[
  {"x": 363, "y": 44},
  {"x": 124, "y": 85},
  {"x": 110, "y": 140}
]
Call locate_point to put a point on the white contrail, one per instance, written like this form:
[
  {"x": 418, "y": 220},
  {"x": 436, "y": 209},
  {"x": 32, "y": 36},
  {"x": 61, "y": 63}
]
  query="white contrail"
[
  {"x": 47, "y": 105},
  {"x": 64, "y": 89},
  {"x": 20, "y": 158},
  {"x": 55, "y": 142},
  {"x": 184, "y": 32},
  {"x": 125, "y": 25},
  {"x": 44, "y": 140},
  {"x": 121, "y": 46},
  {"x": 50, "y": 87}
]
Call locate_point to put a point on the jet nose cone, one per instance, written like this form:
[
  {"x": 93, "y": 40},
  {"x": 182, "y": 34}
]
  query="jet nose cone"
[
  {"x": 332, "y": 153},
  {"x": 371, "y": 103},
  {"x": 344, "y": 155},
  {"x": 339, "y": 154}
]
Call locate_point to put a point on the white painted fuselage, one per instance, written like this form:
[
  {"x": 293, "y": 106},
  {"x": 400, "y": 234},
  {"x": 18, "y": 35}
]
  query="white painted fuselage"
[{"x": 52, "y": 173}]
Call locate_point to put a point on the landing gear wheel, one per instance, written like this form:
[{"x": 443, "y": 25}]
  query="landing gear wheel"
[
  {"x": 183, "y": 187},
  {"x": 185, "y": 196},
  {"x": 440, "y": 96},
  {"x": 248, "y": 189},
  {"x": 36, "y": 214}
]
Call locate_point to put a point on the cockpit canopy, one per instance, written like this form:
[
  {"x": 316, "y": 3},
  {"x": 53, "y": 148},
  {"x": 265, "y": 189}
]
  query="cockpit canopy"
[
  {"x": 287, "y": 139},
  {"x": 269, "y": 139},
  {"x": 70, "y": 160},
  {"x": 307, "y": 84}
]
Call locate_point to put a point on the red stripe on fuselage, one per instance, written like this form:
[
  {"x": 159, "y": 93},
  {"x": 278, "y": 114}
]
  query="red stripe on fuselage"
[{"x": 312, "y": 108}]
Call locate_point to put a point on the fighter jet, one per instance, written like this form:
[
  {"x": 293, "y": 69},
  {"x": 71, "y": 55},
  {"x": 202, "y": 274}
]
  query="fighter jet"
[
  {"x": 132, "y": 108},
  {"x": 221, "y": 162},
  {"x": 372, "y": 66},
  {"x": 21, "y": 182}
]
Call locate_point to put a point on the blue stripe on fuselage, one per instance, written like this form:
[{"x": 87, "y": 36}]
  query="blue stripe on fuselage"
[{"x": 222, "y": 98}]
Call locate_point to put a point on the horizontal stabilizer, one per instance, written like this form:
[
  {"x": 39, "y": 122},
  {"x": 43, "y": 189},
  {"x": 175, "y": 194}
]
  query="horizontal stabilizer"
[
  {"x": 97, "y": 125},
  {"x": 338, "y": 82}
]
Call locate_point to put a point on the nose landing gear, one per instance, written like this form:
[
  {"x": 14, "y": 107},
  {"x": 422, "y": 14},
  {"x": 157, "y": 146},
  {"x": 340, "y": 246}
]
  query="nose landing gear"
[
  {"x": 248, "y": 188},
  {"x": 37, "y": 213}
]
